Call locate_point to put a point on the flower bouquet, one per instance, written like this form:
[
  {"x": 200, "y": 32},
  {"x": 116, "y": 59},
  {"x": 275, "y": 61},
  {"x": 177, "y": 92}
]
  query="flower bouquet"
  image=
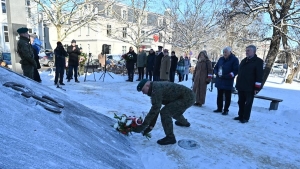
[{"x": 126, "y": 124}]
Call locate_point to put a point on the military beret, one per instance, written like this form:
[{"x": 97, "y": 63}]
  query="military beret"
[
  {"x": 141, "y": 84},
  {"x": 22, "y": 30}
]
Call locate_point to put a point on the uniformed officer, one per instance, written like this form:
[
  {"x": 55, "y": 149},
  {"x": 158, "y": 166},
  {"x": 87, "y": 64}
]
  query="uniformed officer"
[
  {"x": 175, "y": 98},
  {"x": 25, "y": 51}
]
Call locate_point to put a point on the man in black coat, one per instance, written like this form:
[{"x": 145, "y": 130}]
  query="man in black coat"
[
  {"x": 173, "y": 67},
  {"x": 60, "y": 63},
  {"x": 131, "y": 58},
  {"x": 150, "y": 64},
  {"x": 73, "y": 52},
  {"x": 156, "y": 70},
  {"x": 248, "y": 82}
]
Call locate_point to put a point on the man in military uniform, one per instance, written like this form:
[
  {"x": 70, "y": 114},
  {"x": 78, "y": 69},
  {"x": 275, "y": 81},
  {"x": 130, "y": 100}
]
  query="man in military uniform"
[
  {"x": 25, "y": 51},
  {"x": 176, "y": 98}
]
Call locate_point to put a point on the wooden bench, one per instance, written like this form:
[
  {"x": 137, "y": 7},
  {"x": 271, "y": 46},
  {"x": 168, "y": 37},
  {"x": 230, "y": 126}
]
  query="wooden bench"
[{"x": 274, "y": 102}]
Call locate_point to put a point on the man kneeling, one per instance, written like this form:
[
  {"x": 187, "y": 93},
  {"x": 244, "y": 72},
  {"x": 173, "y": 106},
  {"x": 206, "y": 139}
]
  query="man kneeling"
[{"x": 176, "y": 98}]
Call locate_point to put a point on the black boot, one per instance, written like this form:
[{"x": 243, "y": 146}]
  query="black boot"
[{"x": 167, "y": 140}]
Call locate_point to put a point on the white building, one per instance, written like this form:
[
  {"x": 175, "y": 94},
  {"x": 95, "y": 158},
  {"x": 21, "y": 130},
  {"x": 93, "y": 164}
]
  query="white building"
[
  {"x": 107, "y": 29},
  {"x": 31, "y": 11}
]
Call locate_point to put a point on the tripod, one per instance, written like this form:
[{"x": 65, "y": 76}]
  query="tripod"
[
  {"x": 104, "y": 72},
  {"x": 87, "y": 66}
]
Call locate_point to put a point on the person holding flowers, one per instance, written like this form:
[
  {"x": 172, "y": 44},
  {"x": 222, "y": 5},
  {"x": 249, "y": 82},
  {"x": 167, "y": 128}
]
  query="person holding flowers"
[{"x": 175, "y": 98}]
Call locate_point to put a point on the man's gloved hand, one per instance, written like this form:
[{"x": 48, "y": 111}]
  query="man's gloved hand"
[{"x": 139, "y": 129}]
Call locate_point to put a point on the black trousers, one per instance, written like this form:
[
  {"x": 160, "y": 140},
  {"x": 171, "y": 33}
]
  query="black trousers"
[
  {"x": 59, "y": 73},
  {"x": 130, "y": 72},
  {"x": 150, "y": 73},
  {"x": 227, "y": 94},
  {"x": 186, "y": 77},
  {"x": 180, "y": 76},
  {"x": 141, "y": 72},
  {"x": 245, "y": 104},
  {"x": 172, "y": 76},
  {"x": 70, "y": 73},
  {"x": 36, "y": 75}
]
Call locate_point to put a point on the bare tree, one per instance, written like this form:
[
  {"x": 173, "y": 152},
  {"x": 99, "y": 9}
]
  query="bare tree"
[
  {"x": 69, "y": 15},
  {"x": 283, "y": 15},
  {"x": 192, "y": 22},
  {"x": 136, "y": 25}
]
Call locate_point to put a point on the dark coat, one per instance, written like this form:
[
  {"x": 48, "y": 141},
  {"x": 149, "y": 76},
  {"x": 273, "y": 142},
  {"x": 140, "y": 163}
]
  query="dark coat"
[
  {"x": 36, "y": 56},
  {"x": 131, "y": 58},
  {"x": 73, "y": 55},
  {"x": 174, "y": 61},
  {"x": 150, "y": 61},
  {"x": 60, "y": 56},
  {"x": 230, "y": 68},
  {"x": 156, "y": 71},
  {"x": 250, "y": 73}
]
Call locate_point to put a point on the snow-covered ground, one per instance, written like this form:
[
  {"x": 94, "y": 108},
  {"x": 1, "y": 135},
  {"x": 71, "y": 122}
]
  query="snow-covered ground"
[{"x": 269, "y": 140}]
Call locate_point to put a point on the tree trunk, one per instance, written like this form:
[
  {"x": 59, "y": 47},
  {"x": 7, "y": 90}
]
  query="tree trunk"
[
  {"x": 58, "y": 30},
  {"x": 271, "y": 56}
]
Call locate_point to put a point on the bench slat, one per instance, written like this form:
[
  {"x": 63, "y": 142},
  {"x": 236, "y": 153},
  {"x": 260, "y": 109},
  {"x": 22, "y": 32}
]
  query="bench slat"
[{"x": 267, "y": 98}]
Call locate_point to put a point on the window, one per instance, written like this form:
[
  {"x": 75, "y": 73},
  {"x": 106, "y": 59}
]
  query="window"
[
  {"x": 3, "y": 4},
  {"x": 142, "y": 32},
  {"x": 124, "y": 32},
  {"x": 29, "y": 30},
  {"x": 160, "y": 37},
  {"x": 124, "y": 14},
  {"x": 28, "y": 2},
  {"x": 108, "y": 30},
  {"x": 124, "y": 50},
  {"x": 109, "y": 11},
  {"x": 5, "y": 30}
]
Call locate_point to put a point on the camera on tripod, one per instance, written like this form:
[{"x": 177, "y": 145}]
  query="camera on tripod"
[{"x": 105, "y": 49}]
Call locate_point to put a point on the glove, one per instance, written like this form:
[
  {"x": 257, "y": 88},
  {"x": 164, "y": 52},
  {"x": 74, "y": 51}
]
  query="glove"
[{"x": 139, "y": 129}]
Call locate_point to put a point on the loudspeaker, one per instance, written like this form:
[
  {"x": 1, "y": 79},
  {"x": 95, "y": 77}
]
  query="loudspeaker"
[{"x": 106, "y": 48}]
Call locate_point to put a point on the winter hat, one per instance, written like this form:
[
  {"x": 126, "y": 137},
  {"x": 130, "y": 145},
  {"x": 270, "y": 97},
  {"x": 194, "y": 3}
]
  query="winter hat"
[
  {"x": 141, "y": 84},
  {"x": 59, "y": 43},
  {"x": 73, "y": 41}
]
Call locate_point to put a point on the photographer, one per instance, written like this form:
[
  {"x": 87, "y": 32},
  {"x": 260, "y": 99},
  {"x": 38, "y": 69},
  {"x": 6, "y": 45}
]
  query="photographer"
[{"x": 73, "y": 52}]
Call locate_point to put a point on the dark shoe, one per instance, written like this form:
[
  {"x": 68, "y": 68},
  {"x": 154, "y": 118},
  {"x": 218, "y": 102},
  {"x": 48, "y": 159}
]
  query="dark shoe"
[
  {"x": 68, "y": 80},
  {"x": 55, "y": 83},
  {"x": 243, "y": 121},
  {"x": 183, "y": 125},
  {"x": 166, "y": 141},
  {"x": 225, "y": 112},
  {"x": 61, "y": 83},
  {"x": 138, "y": 79},
  {"x": 217, "y": 111},
  {"x": 236, "y": 118},
  {"x": 127, "y": 80},
  {"x": 77, "y": 81}
]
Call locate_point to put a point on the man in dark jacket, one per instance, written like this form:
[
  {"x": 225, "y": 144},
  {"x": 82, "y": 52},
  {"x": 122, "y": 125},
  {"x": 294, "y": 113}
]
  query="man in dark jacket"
[
  {"x": 73, "y": 52},
  {"x": 157, "y": 63},
  {"x": 150, "y": 64},
  {"x": 248, "y": 82},
  {"x": 60, "y": 63},
  {"x": 226, "y": 69},
  {"x": 175, "y": 98},
  {"x": 173, "y": 67},
  {"x": 130, "y": 58},
  {"x": 25, "y": 51}
]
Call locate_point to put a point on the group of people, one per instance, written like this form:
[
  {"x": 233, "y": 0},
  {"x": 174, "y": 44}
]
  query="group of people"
[
  {"x": 159, "y": 65},
  {"x": 177, "y": 98},
  {"x": 28, "y": 48}
]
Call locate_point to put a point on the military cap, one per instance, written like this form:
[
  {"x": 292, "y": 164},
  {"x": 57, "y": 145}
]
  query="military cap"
[
  {"x": 141, "y": 84},
  {"x": 73, "y": 41},
  {"x": 22, "y": 30},
  {"x": 160, "y": 47}
]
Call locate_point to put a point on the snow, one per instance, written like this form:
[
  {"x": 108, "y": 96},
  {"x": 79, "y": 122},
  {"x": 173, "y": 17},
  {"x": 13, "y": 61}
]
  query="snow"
[{"x": 82, "y": 136}]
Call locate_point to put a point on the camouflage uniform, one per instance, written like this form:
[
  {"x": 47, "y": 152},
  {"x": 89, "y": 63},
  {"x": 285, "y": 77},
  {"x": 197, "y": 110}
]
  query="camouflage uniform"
[
  {"x": 27, "y": 58},
  {"x": 175, "y": 97}
]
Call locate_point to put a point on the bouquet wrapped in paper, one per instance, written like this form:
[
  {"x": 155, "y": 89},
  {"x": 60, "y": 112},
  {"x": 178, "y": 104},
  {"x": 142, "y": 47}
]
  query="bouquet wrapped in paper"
[{"x": 126, "y": 124}]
